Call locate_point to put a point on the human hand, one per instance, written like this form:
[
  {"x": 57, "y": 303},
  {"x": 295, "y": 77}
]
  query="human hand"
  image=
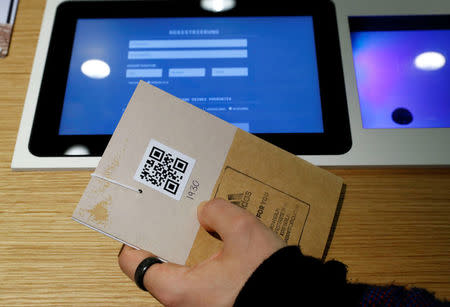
[{"x": 218, "y": 280}]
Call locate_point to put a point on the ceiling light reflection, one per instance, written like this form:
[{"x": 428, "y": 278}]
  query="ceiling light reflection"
[
  {"x": 217, "y": 5},
  {"x": 77, "y": 150},
  {"x": 429, "y": 61},
  {"x": 95, "y": 69}
]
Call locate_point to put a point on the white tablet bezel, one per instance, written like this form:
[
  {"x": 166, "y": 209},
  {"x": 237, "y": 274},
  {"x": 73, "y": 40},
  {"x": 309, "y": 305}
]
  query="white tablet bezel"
[
  {"x": 371, "y": 147},
  {"x": 385, "y": 147},
  {"x": 23, "y": 159}
]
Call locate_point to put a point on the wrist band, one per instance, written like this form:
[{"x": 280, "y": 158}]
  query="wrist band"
[{"x": 142, "y": 269}]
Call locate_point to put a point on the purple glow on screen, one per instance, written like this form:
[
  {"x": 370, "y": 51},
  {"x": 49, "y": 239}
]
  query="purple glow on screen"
[{"x": 393, "y": 91}]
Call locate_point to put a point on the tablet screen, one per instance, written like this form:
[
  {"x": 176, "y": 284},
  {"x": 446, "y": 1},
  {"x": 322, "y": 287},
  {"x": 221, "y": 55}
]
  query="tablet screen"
[
  {"x": 402, "y": 72},
  {"x": 274, "y": 71},
  {"x": 258, "y": 73}
]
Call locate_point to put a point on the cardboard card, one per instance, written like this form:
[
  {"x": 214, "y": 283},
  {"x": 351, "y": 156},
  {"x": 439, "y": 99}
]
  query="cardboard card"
[
  {"x": 7, "y": 16},
  {"x": 167, "y": 156}
]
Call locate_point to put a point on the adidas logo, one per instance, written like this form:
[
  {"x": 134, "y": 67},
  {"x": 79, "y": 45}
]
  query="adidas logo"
[{"x": 240, "y": 199}]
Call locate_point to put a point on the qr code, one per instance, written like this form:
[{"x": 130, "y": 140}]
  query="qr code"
[{"x": 164, "y": 169}]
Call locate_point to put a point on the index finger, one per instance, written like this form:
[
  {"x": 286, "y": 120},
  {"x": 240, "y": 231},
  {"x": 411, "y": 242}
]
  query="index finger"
[{"x": 162, "y": 280}]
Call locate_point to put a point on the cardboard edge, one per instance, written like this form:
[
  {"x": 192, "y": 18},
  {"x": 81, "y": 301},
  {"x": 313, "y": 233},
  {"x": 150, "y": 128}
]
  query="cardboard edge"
[
  {"x": 335, "y": 221},
  {"x": 104, "y": 233}
]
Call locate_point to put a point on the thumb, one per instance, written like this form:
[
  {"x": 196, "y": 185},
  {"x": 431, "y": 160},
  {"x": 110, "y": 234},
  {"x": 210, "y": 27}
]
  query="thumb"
[
  {"x": 163, "y": 280},
  {"x": 222, "y": 217}
]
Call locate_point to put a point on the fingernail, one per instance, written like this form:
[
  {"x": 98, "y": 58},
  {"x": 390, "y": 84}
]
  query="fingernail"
[{"x": 121, "y": 249}]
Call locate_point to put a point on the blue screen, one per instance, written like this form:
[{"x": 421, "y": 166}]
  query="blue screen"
[
  {"x": 403, "y": 78},
  {"x": 258, "y": 73}
]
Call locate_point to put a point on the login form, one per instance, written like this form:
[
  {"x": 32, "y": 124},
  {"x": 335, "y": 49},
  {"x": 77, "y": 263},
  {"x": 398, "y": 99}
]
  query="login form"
[{"x": 258, "y": 73}]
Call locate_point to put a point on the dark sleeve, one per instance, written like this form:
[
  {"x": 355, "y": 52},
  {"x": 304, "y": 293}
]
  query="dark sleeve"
[
  {"x": 394, "y": 295},
  {"x": 288, "y": 278}
]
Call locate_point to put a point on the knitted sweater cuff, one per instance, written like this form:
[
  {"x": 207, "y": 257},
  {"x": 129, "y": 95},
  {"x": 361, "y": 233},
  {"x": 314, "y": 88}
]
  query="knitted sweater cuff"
[{"x": 287, "y": 277}]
